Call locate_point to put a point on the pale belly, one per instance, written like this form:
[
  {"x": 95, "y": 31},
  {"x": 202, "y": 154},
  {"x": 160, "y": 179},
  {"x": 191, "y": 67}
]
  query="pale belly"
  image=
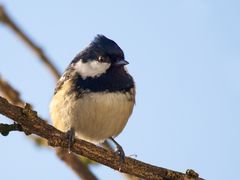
[{"x": 95, "y": 117}]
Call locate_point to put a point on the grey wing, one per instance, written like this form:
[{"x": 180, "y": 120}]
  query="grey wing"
[{"x": 66, "y": 76}]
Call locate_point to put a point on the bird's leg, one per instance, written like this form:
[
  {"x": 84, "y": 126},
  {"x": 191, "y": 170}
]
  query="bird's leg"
[
  {"x": 70, "y": 137},
  {"x": 119, "y": 151}
]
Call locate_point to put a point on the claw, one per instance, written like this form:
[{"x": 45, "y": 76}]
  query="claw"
[
  {"x": 70, "y": 137},
  {"x": 119, "y": 151}
]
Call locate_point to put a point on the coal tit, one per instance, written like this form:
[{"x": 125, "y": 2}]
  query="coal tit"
[{"x": 95, "y": 96}]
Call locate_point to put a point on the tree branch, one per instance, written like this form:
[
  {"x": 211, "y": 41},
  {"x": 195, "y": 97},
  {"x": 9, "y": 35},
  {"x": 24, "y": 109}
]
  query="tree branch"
[
  {"x": 5, "y": 18},
  {"x": 5, "y": 129},
  {"x": 32, "y": 124}
]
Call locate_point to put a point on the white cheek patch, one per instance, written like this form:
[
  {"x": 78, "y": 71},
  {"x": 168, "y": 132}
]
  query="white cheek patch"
[{"x": 91, "y": 68}]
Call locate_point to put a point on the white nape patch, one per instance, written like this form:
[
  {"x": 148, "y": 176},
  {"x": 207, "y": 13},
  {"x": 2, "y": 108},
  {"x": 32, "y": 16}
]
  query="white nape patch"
[{"x": 91, "y": 69}]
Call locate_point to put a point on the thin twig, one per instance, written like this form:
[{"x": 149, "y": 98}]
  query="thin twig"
[
  {"x": 5, "y": 18},
  {"x": 5, "y": 129},
  {"x": 32, "y": 124},
  {"x": 10, "y": 93},
  {"x": 76, "y": 164}
]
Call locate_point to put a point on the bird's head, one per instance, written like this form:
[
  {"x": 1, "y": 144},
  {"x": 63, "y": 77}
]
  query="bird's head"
[{"x": 98, "y": 57}]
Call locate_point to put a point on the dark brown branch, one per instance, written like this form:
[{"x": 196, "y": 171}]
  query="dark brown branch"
[
  {"x": 72, "y": 161},
  {"x": 32, "y": 124},
  {"x": 5, "y": 129},
  {"x": 5, "y": 18}
]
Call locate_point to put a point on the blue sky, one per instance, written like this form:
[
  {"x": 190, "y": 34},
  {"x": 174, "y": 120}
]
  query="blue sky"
[{"x": 184, "y": 56}]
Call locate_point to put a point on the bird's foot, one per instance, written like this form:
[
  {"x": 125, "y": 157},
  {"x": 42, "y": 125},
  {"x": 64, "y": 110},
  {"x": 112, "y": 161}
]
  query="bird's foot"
[
  {"x": 70, "y": 137},
  {"x": 119, "y": 151}
]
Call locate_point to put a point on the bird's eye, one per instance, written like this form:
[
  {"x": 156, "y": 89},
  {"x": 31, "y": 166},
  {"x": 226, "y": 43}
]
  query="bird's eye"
[{"x": 101, "y": 59}]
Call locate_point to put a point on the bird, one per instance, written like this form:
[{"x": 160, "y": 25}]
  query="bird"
[{"x": 95, "y": 96}]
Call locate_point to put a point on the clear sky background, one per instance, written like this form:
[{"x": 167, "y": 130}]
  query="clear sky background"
[{"x": 184, "y": 56}]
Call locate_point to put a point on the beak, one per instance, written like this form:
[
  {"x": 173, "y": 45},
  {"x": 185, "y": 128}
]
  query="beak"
[{"x": 121, "y": 63}]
